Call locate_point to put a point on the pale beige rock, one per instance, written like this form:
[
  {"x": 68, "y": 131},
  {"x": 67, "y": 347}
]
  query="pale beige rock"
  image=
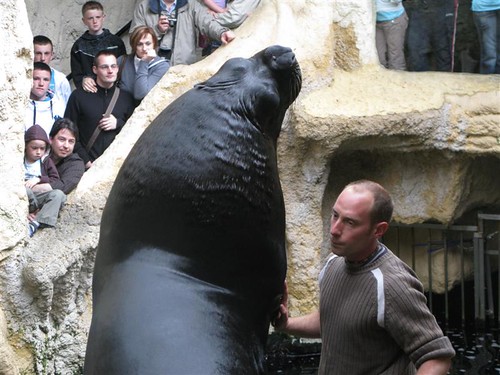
[
  {"x": 15, "y": 68},
  {"x": 15, "y": 65},
  {"x": 8, "y": 365},
  {"x": 431, "y": 138}
]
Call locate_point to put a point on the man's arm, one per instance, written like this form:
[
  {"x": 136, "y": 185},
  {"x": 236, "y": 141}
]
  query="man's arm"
[
  {"x": 41, "y": 188},
  {"x": 236, "y": 13},
  {"x": 76, "y": 65},
  {"x": 303, "y": 326},
  {"x": 70, "y": 174},
  {"x": 49, "y": 171},
  {"x": 140, "y": 18},
  {"x": 146, "y": 78},
  {"x": 437, "y": 366},
  {"x": 206, "y": 24},
  {"x": 227, "y": 36},
  {"x": 122, "y": 50}
]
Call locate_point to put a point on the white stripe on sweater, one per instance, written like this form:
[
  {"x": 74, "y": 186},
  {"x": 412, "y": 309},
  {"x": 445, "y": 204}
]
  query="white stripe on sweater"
[{"x": 380, "y": 296}]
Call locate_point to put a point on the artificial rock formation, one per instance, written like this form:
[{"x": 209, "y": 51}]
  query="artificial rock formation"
[{"x": 433, "y": 139}]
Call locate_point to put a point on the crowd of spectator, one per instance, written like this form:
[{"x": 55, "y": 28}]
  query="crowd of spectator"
[
  {"x": 420, "y": 35},
  {"x": 65, "y": 130},
  {"x": 109, "y": 84}
]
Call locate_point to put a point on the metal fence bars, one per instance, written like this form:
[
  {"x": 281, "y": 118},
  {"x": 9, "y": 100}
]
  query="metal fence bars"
[{"x": 448, "y": 259}]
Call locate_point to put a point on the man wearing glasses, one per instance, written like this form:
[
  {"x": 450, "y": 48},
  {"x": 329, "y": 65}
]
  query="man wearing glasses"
[{"x": 99, "y": 122}]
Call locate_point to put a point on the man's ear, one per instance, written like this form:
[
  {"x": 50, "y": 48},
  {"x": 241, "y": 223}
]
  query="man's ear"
[
  {"x": 94, "y": 69},
  {"x": 381, "y": 228}
]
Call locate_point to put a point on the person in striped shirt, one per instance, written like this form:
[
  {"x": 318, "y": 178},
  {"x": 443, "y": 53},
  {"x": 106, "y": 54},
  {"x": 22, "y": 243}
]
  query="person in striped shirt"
[{"x": 373, "y": 317}]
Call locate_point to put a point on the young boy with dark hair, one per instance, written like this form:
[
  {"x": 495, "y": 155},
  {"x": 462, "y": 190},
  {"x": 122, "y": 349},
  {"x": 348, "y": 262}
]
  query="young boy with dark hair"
[
  {"x": 44, "y": 52},
  {"x": 39, "y": 168},
  {"x": 95, "y": 39}
]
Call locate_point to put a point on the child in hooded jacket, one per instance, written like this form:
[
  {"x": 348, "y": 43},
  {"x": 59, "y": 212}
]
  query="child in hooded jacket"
[{"x": 44, "y": 207}]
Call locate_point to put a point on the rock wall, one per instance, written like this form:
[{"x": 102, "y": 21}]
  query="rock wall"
[{"x": 433, "y": 139}]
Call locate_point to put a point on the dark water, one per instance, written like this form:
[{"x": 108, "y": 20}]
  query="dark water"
[{"x": 477, "y": 354}]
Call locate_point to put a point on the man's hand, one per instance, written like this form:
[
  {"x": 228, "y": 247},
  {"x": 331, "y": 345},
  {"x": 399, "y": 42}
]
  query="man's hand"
[
  {"x": 88, "y": 165},
  {"x": 32, "y": 215},
  {"x": 281, "y": 320},
  {"x": 150, "y": 55},
  {"x": 304, "y": 326},
  {"x": 227, "y": 37},
  {"x": 163, "y": 25},
  {"x": 32, "y": 182},
  {"x": 41, "y": 188},
  {"x": 436, "y": 366},
  {"x": 107, "y": 123},
  {"x": 88, "y": 84}
]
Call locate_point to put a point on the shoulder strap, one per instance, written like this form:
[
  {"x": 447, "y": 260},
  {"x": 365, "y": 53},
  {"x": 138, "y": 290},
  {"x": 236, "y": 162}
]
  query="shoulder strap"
[
  {"x": 97, "y": 130},
  {"x": 112, "y": 103}
]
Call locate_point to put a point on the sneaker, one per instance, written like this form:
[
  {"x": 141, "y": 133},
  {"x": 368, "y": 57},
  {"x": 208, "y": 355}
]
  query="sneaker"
[{"x": 32, "y": 227}]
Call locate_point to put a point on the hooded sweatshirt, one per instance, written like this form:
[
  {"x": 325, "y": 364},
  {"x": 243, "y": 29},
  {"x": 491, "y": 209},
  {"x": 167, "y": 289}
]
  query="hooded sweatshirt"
[
  {"x": 44, "y": 167},
  {"x": 44, "y": 113}
]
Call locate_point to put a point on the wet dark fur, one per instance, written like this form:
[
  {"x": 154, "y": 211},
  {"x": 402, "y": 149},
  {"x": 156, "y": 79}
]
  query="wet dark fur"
[{"x": 191, "y": 258}]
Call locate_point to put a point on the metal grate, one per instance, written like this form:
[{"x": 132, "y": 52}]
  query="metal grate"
[{"x": 446, "y": 257}]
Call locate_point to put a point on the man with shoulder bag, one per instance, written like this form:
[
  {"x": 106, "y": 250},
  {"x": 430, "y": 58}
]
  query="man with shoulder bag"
[{"x": 101, "y": 115}]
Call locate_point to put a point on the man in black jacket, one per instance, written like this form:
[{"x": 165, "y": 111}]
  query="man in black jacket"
[{"x": 88, "y": 110}]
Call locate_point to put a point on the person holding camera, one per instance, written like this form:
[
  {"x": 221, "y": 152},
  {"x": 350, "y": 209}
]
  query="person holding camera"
[
  {"x": 141, "y": 70},
  {"x": 160, "y": 15},
  {"x": 176, "y": 25}
]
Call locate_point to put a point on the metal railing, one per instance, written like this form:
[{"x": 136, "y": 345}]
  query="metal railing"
[{"x": 467, "y": 250}]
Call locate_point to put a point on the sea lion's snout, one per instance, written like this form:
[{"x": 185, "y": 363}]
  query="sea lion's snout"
[
  {"x": 280, "y": 58},
  {"x": 286, "y": 60}
]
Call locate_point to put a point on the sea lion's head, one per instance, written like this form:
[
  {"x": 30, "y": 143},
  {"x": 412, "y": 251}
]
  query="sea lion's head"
[
  {"x": 284, "y": 67},
  {"x": 261, "y": 88}
]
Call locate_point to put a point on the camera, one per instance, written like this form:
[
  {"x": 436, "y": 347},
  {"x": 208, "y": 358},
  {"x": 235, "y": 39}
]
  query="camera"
[{"x": 172, "y": 21}]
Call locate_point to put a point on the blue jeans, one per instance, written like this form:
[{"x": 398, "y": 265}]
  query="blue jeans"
[
  {"x": 488, "y": 29},
  {"x": 429, "y": 37}
]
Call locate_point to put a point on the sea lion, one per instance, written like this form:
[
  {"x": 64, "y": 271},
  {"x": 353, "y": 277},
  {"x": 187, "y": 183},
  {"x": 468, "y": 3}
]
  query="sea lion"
[{"x": 191, "y": 257}]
